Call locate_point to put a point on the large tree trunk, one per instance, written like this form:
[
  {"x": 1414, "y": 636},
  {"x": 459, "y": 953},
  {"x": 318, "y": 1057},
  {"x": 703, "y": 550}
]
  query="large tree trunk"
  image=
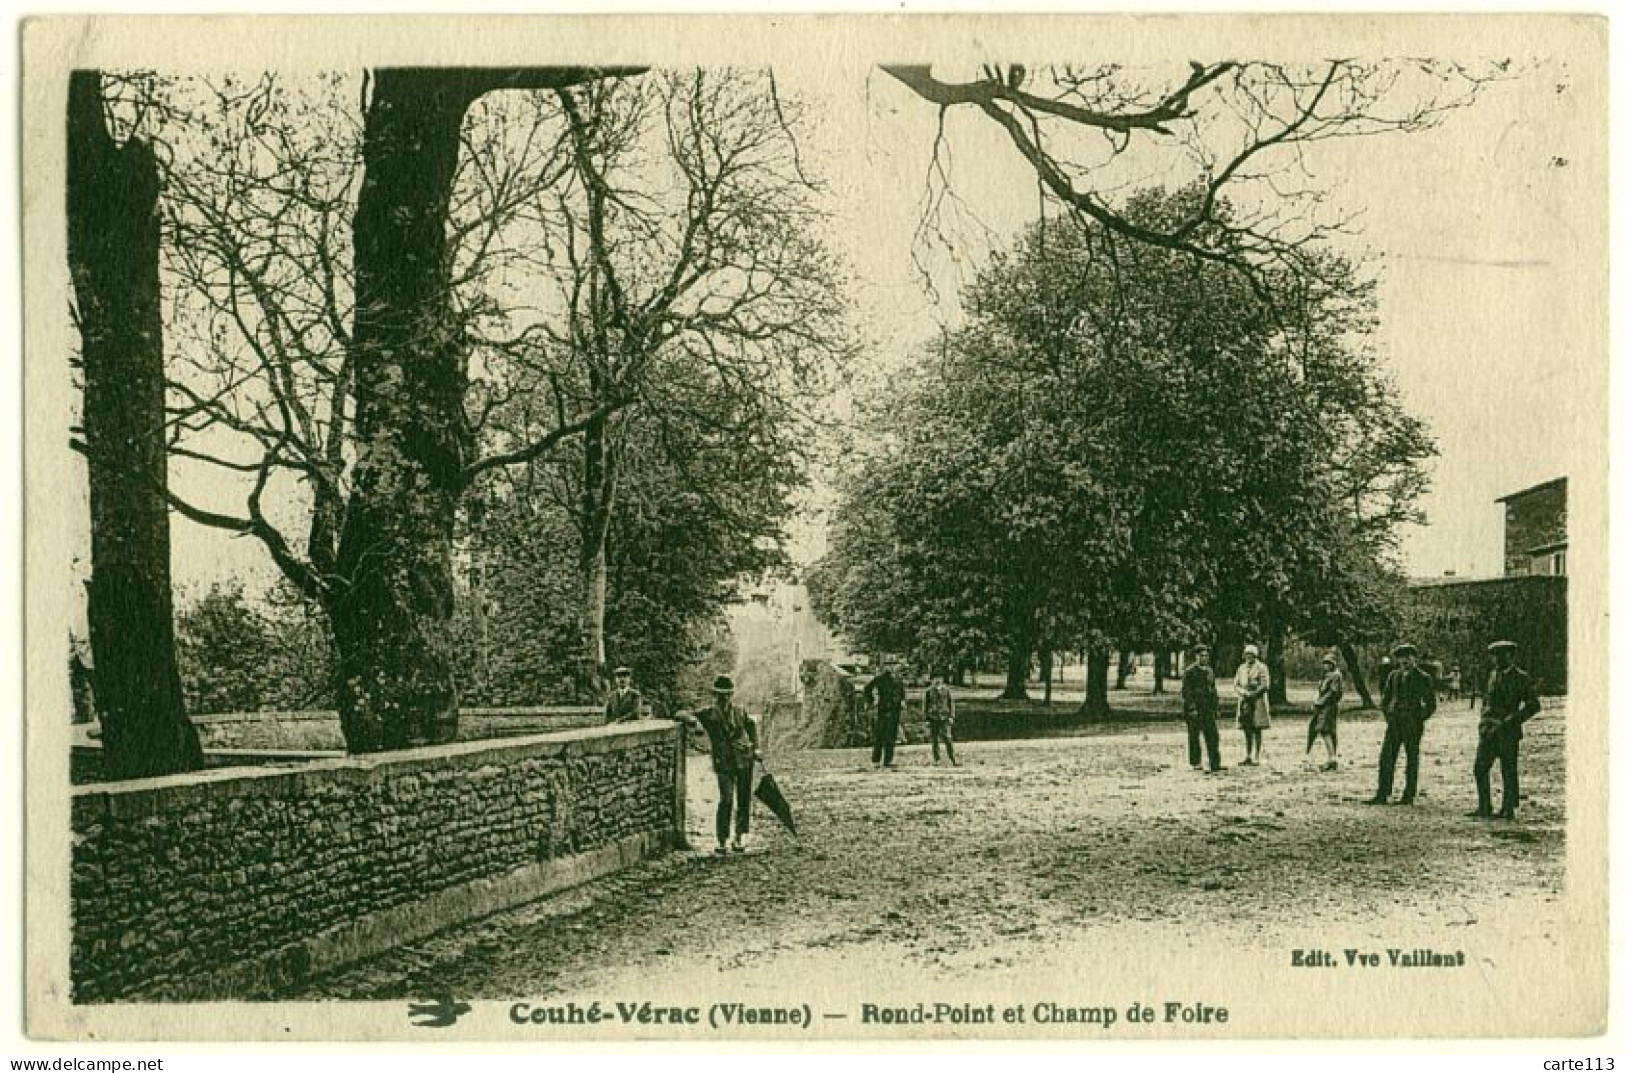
[
  {"x": 392, "y": 619},
  {"x": 1095, "y": 705},
  {"x": 1018, "y": 658},
  {"x": 112, "y": 209},
  {"x": 1159, "y": 669},
  {"x": 390, "y": 593},
  {"x": 391, "y": 608},
  {"x": 1046, "y": 670},
  {"x": 1275, "y": 661},
  {"x": 597, "y": 507},
  {"x": 1351, "y": 659}
]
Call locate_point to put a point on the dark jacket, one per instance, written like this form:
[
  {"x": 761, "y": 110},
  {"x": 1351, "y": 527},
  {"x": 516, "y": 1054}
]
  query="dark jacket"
[
  {"x": 886, "y": 691},
  {"x": 1200, "y": 693},
  {"x": 623, "y": 707},
  {"x": 1409, "y": 695},
  {"x": 1509, "y": 702},
  {"x": 733, "y": 735}
]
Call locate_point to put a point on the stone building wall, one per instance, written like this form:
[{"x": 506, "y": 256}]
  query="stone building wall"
[
  {"x": 240, "y": 883},
  {"x": 1536, "y": 520}
]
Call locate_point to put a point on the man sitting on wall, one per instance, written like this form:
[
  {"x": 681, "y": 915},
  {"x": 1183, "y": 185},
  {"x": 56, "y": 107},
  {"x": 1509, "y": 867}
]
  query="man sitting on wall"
[{"x": 625, "y": 703}]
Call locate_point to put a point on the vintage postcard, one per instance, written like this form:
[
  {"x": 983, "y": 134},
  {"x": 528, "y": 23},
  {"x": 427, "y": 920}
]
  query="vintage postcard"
[{"x": 819, "y": 528}]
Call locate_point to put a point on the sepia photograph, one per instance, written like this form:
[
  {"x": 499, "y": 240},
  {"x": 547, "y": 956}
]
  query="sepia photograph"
[{"x": 822, "y": 528}]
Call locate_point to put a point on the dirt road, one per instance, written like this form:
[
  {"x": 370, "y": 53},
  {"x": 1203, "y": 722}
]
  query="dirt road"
[{"x": 1038, "y": 857}]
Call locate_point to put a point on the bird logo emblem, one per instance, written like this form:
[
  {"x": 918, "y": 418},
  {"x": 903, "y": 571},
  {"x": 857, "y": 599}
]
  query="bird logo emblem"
[{"x": 439, "y": 1012}]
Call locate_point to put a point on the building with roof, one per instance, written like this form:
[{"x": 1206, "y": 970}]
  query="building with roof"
[
  {"x": 1537, "y": 530},
  {"x": 1453, "y": 618}
]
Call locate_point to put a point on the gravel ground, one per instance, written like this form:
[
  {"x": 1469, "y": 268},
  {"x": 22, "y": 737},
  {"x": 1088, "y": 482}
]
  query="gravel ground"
[{"x": 1036, "y": 858}]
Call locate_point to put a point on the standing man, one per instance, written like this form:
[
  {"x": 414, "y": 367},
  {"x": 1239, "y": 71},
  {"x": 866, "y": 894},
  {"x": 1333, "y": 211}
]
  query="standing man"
[
  {"x": 735, "y": 748},
  {"x": 885, "y": 692},
  {"x": 625, "y": 703},
  {"x": 1200, "y": 693},
  {"x": 1323, "y": 724},
  {"x": 1407, "y": 704},
  {"x": 1509, "y": 703},
  {"x": 939, "y": 717}
]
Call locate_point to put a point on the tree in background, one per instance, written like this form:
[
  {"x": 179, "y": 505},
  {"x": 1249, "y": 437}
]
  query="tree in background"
[
  {"x": 1136, "y": 450},
  {"x": 332, "y": 337},
  {"x": 700, "y": 509},
  {"x": 686, "y": 291},
  {"x": 239, "y": 654},
  {"x": 1235, "y": 131},
  {"x": 268, "y": 218}
]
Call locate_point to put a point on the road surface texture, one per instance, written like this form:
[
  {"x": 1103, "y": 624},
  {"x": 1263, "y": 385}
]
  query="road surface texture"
[{"x": 1037, "y": 860}]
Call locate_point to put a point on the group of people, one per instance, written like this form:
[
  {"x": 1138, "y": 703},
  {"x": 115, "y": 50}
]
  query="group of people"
[
  {"x": 885, "y": 695},
  {"x": 1408, "y": 702},
  {"x": 1200, "y": 697}
]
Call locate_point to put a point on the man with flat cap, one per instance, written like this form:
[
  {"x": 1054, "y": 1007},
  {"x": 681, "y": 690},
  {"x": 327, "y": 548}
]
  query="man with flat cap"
[
  {"x": 735, "y": 748},
  {"x": 625, "y": 703},
  {"x": 1407, "y": 704},
  {"x": 1199, "y": 693},
  {"x": 1509, "y": 703}
]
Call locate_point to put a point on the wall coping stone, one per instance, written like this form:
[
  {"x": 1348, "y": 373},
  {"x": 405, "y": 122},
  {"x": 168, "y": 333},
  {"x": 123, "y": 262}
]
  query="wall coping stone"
[
  {"x": 327, "y": 715},
  {"x": 167, "y": 793}
]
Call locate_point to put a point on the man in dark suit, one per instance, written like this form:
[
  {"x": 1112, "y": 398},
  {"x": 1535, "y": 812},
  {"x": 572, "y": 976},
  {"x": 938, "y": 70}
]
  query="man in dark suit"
[
  {"x": 1200, "y": 695},
  {"x": 625, "y": 703},
  {"x": 1407, "y": 704},
  {"x": 885, "y": 691},
  {"x": 1509, "y": 703},
  {"x": 735, "y": 748}
]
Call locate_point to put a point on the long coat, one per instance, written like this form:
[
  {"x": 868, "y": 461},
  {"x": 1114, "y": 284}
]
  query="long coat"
[{"x": 1253, "y": 695}]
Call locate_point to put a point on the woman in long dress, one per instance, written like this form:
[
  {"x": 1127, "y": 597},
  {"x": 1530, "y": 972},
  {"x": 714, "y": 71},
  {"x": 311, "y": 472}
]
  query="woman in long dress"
[{"x": 1253, "y": 703}]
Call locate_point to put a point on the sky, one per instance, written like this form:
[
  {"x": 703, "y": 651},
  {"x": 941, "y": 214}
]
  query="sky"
[{"x": 1475, "y": 231}]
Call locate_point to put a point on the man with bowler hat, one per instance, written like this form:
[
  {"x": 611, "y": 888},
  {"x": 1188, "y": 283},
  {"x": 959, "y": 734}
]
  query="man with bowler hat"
[
  {"x": 1509, "y": 703},
  {"x": 625, "y": 703},
  {"x": 1200, "y": 695},
  {"x": 735, "y": 748},
  {"x": 1407, "y": 704}
]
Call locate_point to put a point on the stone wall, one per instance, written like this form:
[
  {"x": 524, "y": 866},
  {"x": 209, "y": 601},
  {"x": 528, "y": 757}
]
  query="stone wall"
[
  {"x": 240, "y": 883},
  {"x": 828, "y": 716}
]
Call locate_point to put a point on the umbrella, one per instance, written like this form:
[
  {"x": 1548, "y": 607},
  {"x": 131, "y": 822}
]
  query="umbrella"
[{"x": 769, "y": 794}]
